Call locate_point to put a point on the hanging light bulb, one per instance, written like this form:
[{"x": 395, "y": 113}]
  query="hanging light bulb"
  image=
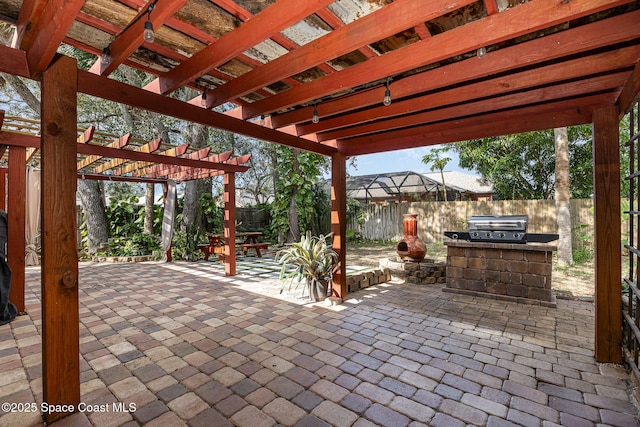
[
  {"x": 482, "y": 51},
  {"x": 105, "y": 58},
  {"x": 149, "y": 36},
  {"x": 203, "y": 100},
  {"x": 387, "y": 94},
  {"x": 315, "y": 118}
]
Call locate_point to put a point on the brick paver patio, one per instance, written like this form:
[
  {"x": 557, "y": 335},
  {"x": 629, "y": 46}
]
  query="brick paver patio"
[{"x": 180, "y": 344}]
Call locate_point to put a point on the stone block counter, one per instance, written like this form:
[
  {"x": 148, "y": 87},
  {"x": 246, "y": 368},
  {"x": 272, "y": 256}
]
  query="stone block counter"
[{"x": 515, "y": 272}]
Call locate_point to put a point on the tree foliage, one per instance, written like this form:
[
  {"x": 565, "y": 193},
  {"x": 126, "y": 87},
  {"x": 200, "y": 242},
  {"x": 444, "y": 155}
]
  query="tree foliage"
[
  {"x": 299, "y": 182},
  {"x": 522, "y": 166}
]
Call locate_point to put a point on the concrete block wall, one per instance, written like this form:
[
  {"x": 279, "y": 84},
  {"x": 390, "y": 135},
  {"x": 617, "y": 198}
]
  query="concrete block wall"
[{"x": 509, "y": 271}]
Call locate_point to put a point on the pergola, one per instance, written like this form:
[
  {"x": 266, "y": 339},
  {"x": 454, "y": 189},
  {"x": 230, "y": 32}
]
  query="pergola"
[{"x": 336, "y": 78}]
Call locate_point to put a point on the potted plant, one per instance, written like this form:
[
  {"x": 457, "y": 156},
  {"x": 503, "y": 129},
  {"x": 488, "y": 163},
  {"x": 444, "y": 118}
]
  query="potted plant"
[{"x": 312, "y": 259}]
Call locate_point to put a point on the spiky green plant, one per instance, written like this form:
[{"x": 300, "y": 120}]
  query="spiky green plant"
[{"x": 312, "y": 259}]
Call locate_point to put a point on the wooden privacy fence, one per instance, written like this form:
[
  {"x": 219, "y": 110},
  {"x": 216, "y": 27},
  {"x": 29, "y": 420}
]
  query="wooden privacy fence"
[{"x": 384, "y": 222}]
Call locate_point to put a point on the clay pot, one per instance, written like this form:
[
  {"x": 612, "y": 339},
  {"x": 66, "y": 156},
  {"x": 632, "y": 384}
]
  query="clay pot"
[{"x": 411, "y": 248}]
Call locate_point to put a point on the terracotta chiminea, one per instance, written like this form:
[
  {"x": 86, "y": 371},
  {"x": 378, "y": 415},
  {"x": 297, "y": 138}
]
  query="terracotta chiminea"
[{"x": 411, "y": 248}]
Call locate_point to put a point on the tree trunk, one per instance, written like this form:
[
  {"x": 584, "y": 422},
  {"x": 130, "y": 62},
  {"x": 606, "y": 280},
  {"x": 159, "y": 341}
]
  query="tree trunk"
[
  {"x": 294, "y": 219},
  {"x": 562, "y": 196},
  {"x": 94, "y": 213},
  {"x": 191, "y": 213},
  {"x": 444, "y": 186},
  {"x": 149, "y": 208}
]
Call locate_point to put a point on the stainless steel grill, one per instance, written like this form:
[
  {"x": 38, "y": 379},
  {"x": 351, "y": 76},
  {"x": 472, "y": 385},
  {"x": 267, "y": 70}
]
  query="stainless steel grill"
[{"x": 500, "y": 229}]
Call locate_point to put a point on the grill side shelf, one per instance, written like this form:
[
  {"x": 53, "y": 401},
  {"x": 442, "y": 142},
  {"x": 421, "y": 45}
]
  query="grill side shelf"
[{"x": 529, "y": 237}]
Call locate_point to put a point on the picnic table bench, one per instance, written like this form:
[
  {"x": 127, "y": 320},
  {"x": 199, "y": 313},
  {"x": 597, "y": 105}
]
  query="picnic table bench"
[{"x": 216, "y": 244}]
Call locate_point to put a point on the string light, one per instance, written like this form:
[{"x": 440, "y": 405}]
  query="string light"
[
  {"x": 315, "y": 118},
  {"x": 148, "y": 34},
  {"x": 203, "y": 101},
  {"x": 387, "y": 94},
  {"x": 105, "y": 58},
  {"x": 481, "y": 52}
]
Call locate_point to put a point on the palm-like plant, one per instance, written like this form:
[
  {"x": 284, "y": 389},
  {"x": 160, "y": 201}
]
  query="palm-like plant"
[{"x": 313, "y": 260}]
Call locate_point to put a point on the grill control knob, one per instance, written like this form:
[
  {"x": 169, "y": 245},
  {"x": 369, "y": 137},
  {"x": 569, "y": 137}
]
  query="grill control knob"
[
  {"x": 488, "y": 235},
  {"x": 502, "y": 235},
  {"x": 516, "y": 235},
  {"x": 475, "y": 234}
]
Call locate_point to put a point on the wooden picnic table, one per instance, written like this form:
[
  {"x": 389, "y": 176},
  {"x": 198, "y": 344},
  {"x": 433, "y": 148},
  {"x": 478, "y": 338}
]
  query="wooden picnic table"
[{"x": 216, "y": 244}]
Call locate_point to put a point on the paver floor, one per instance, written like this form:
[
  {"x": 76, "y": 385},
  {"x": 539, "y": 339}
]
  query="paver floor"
[{"x": 180, "y": 344}]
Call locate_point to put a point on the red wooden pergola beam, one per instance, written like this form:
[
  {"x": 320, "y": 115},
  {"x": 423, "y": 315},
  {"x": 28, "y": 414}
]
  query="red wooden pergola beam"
[
  {"x": 384, "y": 22},
  {"x": 28, "y": 18},
  {"x": 121, "y": 142},
  {"x": 156, "y": 158},
  {"x": 271, "y": 20},
  {"x": 87, "y": 136},
  {"x": 115, "y": 91},
  {"x": 13, "y": 61},
  {"x": 149, "y": 147},
  {"x": 503, "y": 26},
  {"x": 517, "y": 120},
  {"x": 23, "y": 140},
  {"x": 172, "y": 152},
  {"x": 630, "y": 93},
  {"x": 491, "y": 7},
  {"x": 533, "y": 96},
  {"x": 182, "y": 173},
  {"x": 129, "y": 40},
  {"x": 55, "y": 19},
  {"x": 537, "y": 77},
  {"x": 157, "y": 171},
  {"x": 573, "y": 41},
  {"x": 102, "y": 177}
]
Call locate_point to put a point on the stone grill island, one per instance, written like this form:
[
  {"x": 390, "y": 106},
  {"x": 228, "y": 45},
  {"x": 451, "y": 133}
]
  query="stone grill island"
[{"x": 507, "y": 271}]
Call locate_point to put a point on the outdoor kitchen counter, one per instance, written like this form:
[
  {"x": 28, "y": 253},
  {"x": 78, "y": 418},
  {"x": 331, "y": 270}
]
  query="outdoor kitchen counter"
[{"x": 509, "y": 271}]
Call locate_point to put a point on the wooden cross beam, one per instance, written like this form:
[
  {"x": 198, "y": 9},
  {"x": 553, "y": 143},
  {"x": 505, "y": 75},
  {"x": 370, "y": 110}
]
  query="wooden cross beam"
[
  {"x": 157, "y": 171},
  {"x": 172, "y": 152},
  {"x": 122, "y": 142},
  {"x": 149, "y": 147}
]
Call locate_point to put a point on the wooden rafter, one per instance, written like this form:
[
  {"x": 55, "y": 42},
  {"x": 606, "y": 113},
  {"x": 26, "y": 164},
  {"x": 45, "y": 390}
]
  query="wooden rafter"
[
  {"x": 149, "y": 147},
  {"x": 385, "y": 22},
  {"x": 630, "y": 92},
  {"x": 516, "y": 120},
  {"x": 28, "y": 19},
  {"x": 183, "y": 174},
  {"x": 157, "y": 171},
  {"x": 53, "y": 25},
  {"x": 571, "y": 42},
  {"x": 131, "y": 38},
  {"x": 121, "y": 142},
  {"x": 24, "y": 140},
  {"x": 102, "y": 87},
  {"x": 273, "y": 19},
  {"x": 492, "y": 29},
  {"x": 533, "y": 96},
  {"x": 134, "y": 166}
]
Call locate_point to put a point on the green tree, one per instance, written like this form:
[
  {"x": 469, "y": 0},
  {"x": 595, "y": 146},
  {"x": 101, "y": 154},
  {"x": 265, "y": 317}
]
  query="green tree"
[
  {"x": 522, "y": 166},
  {"x": 293, "y": 208},
  {"x": 438, "y": 161}
]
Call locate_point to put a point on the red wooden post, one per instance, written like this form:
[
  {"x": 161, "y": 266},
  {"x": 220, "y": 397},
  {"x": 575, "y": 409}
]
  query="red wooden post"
[
  {"x": 229, "y": 224},
  {"x": 608, "y": 239},
  {"x": 339, "y": 222},
  {"x": 16, "y": 221},
  {"x": 60, "y": 316}
]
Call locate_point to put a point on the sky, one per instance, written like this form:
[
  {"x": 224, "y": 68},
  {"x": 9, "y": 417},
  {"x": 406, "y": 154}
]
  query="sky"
[{"x": 401, "y": 160}]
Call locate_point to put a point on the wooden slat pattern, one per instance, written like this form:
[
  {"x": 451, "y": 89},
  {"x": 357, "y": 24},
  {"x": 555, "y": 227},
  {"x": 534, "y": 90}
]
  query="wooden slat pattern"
[{"x": 384, "y": 222}]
